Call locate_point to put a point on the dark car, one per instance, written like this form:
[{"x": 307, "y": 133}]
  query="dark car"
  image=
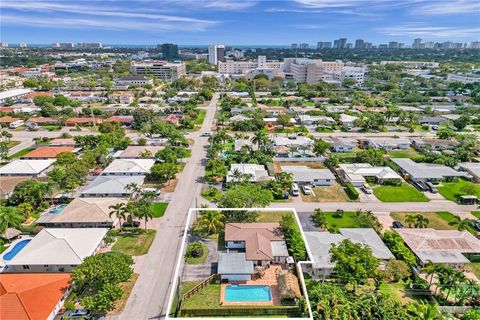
[
  {"x": 476, "y": 225},
  {"x": 130, "y": 224},
  {"x": 77, "y": 314},
  {"x": 397, "y": 224}
]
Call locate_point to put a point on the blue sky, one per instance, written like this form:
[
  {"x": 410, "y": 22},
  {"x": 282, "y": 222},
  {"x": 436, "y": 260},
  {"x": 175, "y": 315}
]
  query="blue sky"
[{"x": 241, "y": 22}]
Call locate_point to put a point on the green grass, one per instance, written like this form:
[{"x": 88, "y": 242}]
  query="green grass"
[
  {"x": 22, "y": 152},
  {"x": 212, "y": 194},
  {"x": 12, "y": 143},
  {"x": 453, "y": 190},
  {"x": 200, "y": 117},
  {"x": 206, "y": 298},
  {"x": 476, "y": 214},
  {"x": 397, "y": 291},
  {"x": 323, "y": 129},
  {"x": 475, "y": 267},
  {"x": 134, "y": 244},
  {"x": 436, "y": 220},
  {"x": 159, "y": 208},
  {"x": 52, "y": 127},
  {"x": 198, "y": 260},
  {"x": 275, "y": 216},
  {"x": 333, "y": 193},
  {"x": 403, "y": 193},
  {"x": 348, "y": 220},
  {"x": 407, "y": 153}
]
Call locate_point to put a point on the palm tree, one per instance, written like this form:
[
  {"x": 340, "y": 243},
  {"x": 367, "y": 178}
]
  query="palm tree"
[
  {"x": 26, "y": 208},
  {"x": 144, "y": 212},
  {"x": 410, "y": 220},
  {"x": 133, "y": 189},
  {"x": 421, "y": 221},
  {"x": 260, "y": 138},
  {"x": 425, "y": 311},
  {"x": 462, "y": 224},
  {"x": 120, "y": 211},
  {"x": 10, "y": 217},
  {"x": 285, "y": 179},
  {"x": 430, "y": 269},
  {"x": 212, "y": 220}
]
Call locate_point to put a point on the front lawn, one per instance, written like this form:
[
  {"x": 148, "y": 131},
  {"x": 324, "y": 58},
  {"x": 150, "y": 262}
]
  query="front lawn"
[
  {"x": 273, "y": 216},
  {"x": 476, "y": 214},
  {"x": 134, "y": 244},
  {"x": 453, "y": 190},
  {"x": 212, "y": 194},
  {"x": 22, "y": 152},
  {"x": 333, "y": 193},
  {"x": 159, "y": 208},
  {"x": 436, "y": 220},
  {"x": 197, "y": 260},
  {"x": 406, "y": 153},
  {"x": 127, "y": 287},
  {"x": 200, "y": 117},
  {"x": 348, "y": 220},
  {"x": 12, "y": 143},
  {"x": 403, "y": 193}
]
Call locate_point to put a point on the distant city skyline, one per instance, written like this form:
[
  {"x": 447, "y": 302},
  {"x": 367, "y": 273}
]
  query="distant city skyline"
[{"x": 236, "y": 22}]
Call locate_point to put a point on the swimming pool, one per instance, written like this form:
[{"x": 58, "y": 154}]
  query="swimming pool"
[
  {"x": 16, "y": 249},
  {"x": 57, "y": 209},
  {"x": 236, "y": 293}
]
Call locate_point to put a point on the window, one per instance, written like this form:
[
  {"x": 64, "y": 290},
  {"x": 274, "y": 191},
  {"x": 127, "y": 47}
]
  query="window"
[{"x": 26, "y": 267}]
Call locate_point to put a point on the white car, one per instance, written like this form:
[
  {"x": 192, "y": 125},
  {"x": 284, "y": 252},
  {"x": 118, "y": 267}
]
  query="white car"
[
  {"x": 294, "y": 190},
  {"x": 367, "y": 189},
  {"x": 206, "y": 134},
  {"x": 307, "y": 190}
]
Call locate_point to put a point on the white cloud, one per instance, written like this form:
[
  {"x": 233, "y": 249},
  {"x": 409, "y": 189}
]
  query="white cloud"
[
  {"x": 307, "y": 26},
  {"x": 429, "y": 31},
  {"x": 450, "y": 7},
  {"x": 230, "y": 5}
]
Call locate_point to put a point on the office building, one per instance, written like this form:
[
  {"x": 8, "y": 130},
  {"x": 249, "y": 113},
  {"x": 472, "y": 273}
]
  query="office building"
[
  {"x": 417, "y": 43},
  {"x": 383, "y": 46},
  {"x": 368, "y": 45},
  {"x": 303, "y": 46},
  {"x": 169, "y": 51},
  {"x": 340, "y": 43},
  {"x": 216, "y": 53},
  {"x": 294, "y": 46},
  {"x": 395, "y": 45},
  {"x": 311, "y": 71},
  {"x": 463, "y": 77},
  {"x": 324, "y": 45},
  {"x": 89, "y": 45},
  {"x": 161, "y": 69},
  {"x": 253, "y": 67},
  {"x": 473, "y": 45},
  {"x": 359, "y": 44}
]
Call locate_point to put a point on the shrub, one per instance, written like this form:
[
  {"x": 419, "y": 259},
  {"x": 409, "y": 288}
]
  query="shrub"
[
  {"x": 392, "y": 182},
  {"x": 194, "y": 250},
  {"x": 338, "y": 214},
  {"x": 351, "y": 191}
]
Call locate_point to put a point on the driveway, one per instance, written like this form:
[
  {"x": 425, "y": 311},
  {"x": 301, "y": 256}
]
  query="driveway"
[{"x": 197, "y": 272}]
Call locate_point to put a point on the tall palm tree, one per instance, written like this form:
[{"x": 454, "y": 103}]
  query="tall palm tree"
[
  {"x": 260, "y": 138},
  {"x": 462, "y": 224},
  {"x": 10, "y": 217},
  {"x": 212, "y": 220},
  {"x": 120, "y": 211},
  {"x": 26, "y": 209},
  {"x": 430, "y": 269},
  {"x": 410, "y": 220},
  {"x": 144, "y": 212}
]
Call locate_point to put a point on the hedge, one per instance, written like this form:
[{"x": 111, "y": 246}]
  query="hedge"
[{"x": 351, "y": 191}]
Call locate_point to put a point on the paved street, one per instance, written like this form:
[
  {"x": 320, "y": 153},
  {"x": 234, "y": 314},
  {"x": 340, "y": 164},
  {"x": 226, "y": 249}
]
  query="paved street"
[{"x": 149, "y": 298}]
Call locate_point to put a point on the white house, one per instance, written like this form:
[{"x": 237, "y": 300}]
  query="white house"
[
  {"x": 26, "y": 167},
  {"x": 129, "y": 167},
  {"x": 111, "y": 186},
  {"x": 304, "y": 175},
  {"x": 387, "y": 143},
  {"x": 254, "y": 172},
  {"x": 356, "y": 173},
  {"x": 347, "y": 120},
  {"x": 340, "y": 144}
]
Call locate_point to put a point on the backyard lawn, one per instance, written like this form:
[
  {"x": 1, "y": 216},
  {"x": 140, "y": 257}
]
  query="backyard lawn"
[
  {"x": 134, "y": 244},
  {"x": 453, "y": 190},
  {"x": 333, "y": 193},
  {"x": 159, "y": 208},
  {"x": 407, "y": 153},
  {"x": 206, "y": 298},
  {"x": 396, "y": 290},
  {"x": 310, "y": 164},
  {"x": 436, "y": 220},
  {"x": 403, "y": 193},
  {"x": 475, "y": 268}
]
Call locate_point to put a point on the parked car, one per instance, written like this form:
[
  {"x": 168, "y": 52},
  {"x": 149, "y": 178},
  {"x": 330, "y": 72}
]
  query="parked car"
[
  {"x": 307, "y": 190},
  {"x": 77, "y": 314},
  {"x": 476, "y": 225},
  {"x": 154, "y": 190},
  {"x": 367, "y": 189},
  {"x": 420, "y": 186},
  {"x": 431, "y": 187},
  {"x": 132, "y": 224},
  {"x": 206, "y": 134},
  {"x": 397, "y": 224},
  {"x": 295, "y": 191}
]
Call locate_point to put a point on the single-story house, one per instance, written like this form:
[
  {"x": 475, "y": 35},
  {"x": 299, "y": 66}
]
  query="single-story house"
[
  {"x": 72, "y": 122},
  {"x": 239, "y": 118},
  {"x": 124, "y": 120},
  {"x": 472, "y": 168},
  {"x": 340, "y": 144},
  {"x": 310, "y": 120},
  {"x": 435, "y": 144},
  {"x": 263, "y": 243},
  {"x": 128, "y": 167},
  {"x": 110, "y": 186},
  {"x": 254, "y": 172},
  {"x": 122, "y": 97},
  {"x": 387, "y": 143},
  {"x": 321, "y": 242},
  {"x": 238, "y": 110},
  {"x": 347, "y": 120},
  {"x": 41, "y": 121},
  {"x": 172, "y": 118},
  {"x": 304, "y": 175},
  {"x": 83, "y": 213},
  {"x": 25, "y": 167},
  {"x": 62, "y": 142},
  {"x": 245, "y": 142},
  {"x": 56, "y": 250},
  {"x": 48, "y": 152},
  {"x": 450, "y": 247},
  {"x": 355, "y": 173},
  {"x": 293, "y": 141},
  {"x": 20, "y": 294},
  {"x": 234, "y": 266},
  {"x": 432, "y": 121},
  {"x": 8, "y": 184},
  {"x": 423, "y": 172},
  {"x": 138, "y": 152}
]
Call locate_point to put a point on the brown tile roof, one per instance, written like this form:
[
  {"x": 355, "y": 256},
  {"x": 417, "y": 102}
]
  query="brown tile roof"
[
  {"x": 8, "y": 119},
  {"x": 42, "y": 120},
  {"x": 31, "y": 296},
  {"x": 257, "y": 237},
  {"x": 73, "y": 121},
  {"x": 63, "y": 141},
  {"x": 121, "y": 119},
  {"x": 135, "y": 151},
  {"x": 47, "y": 152},
  {"x": 32, "y": 95},
  {"x": 7, "y": 184}
]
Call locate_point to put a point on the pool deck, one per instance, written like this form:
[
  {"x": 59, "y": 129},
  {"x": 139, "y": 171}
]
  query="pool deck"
[{"x": 268, "y": 279}]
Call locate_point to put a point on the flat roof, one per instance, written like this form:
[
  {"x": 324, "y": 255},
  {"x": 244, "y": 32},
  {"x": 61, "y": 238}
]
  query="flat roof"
[
  {"x": 304, "y": 173},
  {"x": 234, "y": 263},
  {"x": 426, "y": 170},
  {"x": 13, "y": 93}
]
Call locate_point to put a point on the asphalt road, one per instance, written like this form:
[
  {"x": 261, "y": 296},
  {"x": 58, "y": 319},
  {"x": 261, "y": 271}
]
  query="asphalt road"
[{"x": 149, "y": 297}]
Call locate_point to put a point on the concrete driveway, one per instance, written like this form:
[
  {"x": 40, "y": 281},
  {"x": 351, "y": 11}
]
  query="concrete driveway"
[{"x": 197, "y": 272}]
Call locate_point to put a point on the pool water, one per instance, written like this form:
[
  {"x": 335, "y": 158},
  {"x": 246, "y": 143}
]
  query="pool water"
[
  {"x": 16, "y": 249},
  {"x": 235, "y": 293},
  {"x": 57, "y": 209}
]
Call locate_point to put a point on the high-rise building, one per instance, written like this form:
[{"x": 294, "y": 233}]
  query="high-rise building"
[
  {"x": 324, "y": 45},
  {"x": 216, "y": 52},
  {"x": 368, "y": 45},
  {"x": 359, "y": 44},
  {"x": 340, "y": 43},
  {"x": 23, "y": 44},
  {"x": 294, "y": 46},
  {"x": 161, "y": 69},
  {"x": 395, "y": 45},
  {"x": 311, "y": 71},
  {"x": 303, "y": 46},
  {"x": 169, "y": 51},
  {"x": 67, "y": 45},
  {"x": 89, "y": 45},
  {"x": 417, "y": 43},
  {"x": 4, "y": 44},
  {"x": 383, "y": 46},
  {"x": 474, "y": 45}
]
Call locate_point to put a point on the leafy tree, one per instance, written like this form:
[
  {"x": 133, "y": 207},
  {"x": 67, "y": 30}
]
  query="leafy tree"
[
  {"x": 373, "y": 156},
  {"x": 397, "y": 269},
  {"x": 120, "y": 211},
  {"x": 354, "y": 262},
  {"x": 445, "y": 133},
  {"x": 319, "y": 219},
  {"x": 461, "y": 122},
  {"x": 246, "y": 196},
  {"x": 30, "y": 191},
  {"x": 162, "y": 172},
  {"x": 10, "y": 217},
  {"x": 396, "y": 245},
  {"x": 3, "y": 150},
  {"x": 104, "y": 300},
  {"x": 320, "y": 147}
]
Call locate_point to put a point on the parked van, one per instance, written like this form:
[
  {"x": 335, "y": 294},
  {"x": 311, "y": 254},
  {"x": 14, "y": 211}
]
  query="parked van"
[
  {"x": 153, "y": 190},
  {"x": 16, "y": 124},
  {"x": 295, "y": 190}
]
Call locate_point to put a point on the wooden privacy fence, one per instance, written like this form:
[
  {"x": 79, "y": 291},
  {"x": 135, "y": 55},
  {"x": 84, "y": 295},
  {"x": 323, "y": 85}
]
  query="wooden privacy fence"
[
  {"x": 199, "y": 286},
  {"x": 242, "y": 311}
]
